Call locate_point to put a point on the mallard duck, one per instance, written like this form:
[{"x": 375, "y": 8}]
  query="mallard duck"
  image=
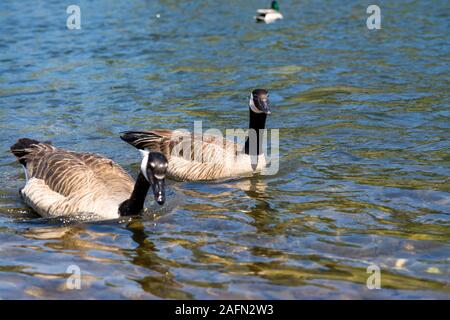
[
  {"x": 66, "y": 183},
  {"x": 209, "y": 157},
  {"x": 269, "y": 15}
]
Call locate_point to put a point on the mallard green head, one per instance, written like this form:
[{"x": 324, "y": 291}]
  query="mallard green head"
[{"x": 275, "y": 5}]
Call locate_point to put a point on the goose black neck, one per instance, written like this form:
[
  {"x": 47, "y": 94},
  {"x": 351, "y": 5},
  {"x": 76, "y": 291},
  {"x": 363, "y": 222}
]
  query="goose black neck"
[
  {"x": 135, "y": 204},
  {"x": 257, "y": 122}
]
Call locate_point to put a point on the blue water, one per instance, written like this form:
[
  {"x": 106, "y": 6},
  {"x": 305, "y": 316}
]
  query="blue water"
[{"x": 364, "y": 141}]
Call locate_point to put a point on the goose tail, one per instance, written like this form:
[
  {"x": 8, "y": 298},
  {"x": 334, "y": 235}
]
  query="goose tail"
[{"x": 142, "y": 139}]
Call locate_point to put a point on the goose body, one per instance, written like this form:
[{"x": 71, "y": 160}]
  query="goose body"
[
  {"x": 269, "y": 15},
  {"x": 211, "y": 157},
  {"x": 66, "y": 183},
  {"x": 208, "y": 157}
]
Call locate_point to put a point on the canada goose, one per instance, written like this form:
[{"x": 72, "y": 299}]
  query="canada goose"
[
  {"x": 66, "y": 183},
  {"x": 209, "y": 157},
  {"x": 269, "y": 15}
]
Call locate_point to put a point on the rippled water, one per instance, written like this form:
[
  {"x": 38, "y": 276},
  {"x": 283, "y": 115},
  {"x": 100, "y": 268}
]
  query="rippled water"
[{"x": 364, "y": 137}]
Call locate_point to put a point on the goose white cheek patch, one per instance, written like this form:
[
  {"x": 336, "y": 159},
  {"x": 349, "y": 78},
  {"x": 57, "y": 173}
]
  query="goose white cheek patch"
[
  {"x": 159, "y": 176},
  {"x": 144, "y": 154}
]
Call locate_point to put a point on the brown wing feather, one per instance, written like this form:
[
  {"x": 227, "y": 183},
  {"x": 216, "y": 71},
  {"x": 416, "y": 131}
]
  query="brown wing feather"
[
  {"x": 206, "y": 148},
  {"x": 69, "y": 172},
  {"x": 209, "y": 157}
]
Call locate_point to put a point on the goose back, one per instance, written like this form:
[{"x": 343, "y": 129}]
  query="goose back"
[{"x": 64, "y": 182}]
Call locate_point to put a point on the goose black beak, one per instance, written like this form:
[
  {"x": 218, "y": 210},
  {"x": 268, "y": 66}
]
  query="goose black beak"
[
  {"x": 159, "y": 191},
  {"x": 265, "y": 106}
]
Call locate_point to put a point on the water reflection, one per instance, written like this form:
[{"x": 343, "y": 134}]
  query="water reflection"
[{"x": 161, "y": 283}]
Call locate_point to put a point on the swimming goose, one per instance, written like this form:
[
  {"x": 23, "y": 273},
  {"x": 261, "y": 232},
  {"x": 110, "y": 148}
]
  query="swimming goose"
[
  {"x": 209, "y": 157},
  {"x": 66, "y": 183},
  {"x": 269, "y": 15}
]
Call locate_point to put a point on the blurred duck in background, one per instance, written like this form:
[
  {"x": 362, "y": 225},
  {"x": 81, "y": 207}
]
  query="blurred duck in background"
[{"x": 269, "y": 15}]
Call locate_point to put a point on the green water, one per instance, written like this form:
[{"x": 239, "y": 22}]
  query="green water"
[{"x": 364, "y": 140}]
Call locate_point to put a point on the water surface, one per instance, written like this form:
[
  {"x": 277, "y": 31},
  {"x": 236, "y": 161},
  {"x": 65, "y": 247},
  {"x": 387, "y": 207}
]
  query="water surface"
[{"x": 364, "y": 141}]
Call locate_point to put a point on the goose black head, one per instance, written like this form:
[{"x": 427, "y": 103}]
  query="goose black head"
[
  {"x": 259, "y": 101},
  {"x": 154, "y": 168}
]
